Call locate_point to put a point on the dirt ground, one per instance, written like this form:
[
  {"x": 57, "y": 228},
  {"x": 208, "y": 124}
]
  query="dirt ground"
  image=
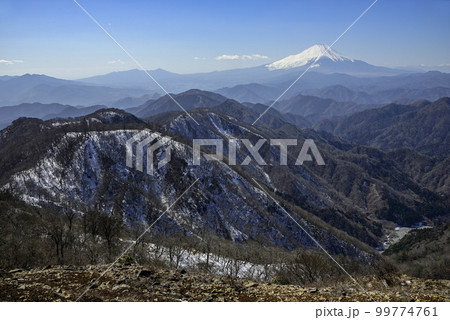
[{"x": 137, "y": 283}]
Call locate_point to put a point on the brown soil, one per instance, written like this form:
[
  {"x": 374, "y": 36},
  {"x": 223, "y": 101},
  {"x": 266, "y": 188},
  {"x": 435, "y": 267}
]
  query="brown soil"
[{"x": 137, "y": 283}]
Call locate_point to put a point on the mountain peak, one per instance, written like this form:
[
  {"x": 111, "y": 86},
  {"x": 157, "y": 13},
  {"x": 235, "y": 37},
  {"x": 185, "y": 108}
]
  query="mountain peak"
[{"x": 309, "y": 55}]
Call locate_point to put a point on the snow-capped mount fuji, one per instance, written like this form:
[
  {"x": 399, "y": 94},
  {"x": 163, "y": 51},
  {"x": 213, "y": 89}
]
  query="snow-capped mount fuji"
[
  {"x": 326, "y": 60},
  {"x": 310, "y": 55},
  {"x": 275, "y": 74}
]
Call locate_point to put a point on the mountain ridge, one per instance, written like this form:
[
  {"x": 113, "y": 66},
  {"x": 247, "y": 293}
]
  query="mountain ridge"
[{"x": 423, "y": 126}]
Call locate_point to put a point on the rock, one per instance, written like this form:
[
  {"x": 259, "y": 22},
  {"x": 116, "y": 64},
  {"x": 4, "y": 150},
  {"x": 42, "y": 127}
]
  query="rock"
[
  {"x": 15, "y": 271},
  {"x": 121, "y": 287},
  {"x": 192, "y": 286}
]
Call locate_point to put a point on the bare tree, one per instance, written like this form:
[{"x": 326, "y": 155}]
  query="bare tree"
[{"x": 110, "y": 229}]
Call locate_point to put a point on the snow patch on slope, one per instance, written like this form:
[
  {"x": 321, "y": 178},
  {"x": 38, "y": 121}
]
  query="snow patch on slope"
[{"x": 312, "y": 54}]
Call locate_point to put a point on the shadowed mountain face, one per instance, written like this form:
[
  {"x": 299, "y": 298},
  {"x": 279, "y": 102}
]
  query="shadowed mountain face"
[
  {"x": 424, "y": 252},
  {"x": 254, "y": 92},
  {"x": 354, "y": 179},
  {"x": 357, "y": 189},
  {"x": 344, "y": 94},
  {"x": 315, "y": 109},
  {"x": 299, "y": 110},
  {"x": 349, "y": 201},
  {"x": 77, "y": 165},
  {"x": 423, "y": 126},
  {"x": 271, "y": 119}
]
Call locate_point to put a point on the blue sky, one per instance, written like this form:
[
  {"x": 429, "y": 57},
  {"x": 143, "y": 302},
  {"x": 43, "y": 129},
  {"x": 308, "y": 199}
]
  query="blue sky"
[{"x": 56, "y": 38}]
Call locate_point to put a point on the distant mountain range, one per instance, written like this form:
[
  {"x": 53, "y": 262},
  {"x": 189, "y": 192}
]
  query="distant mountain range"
[
  {"x": 43, "y": 89},
  {"x": 423, "y": 126},
  {"x": 345, "y": 88},
  {"x": 132, "y": 102},
  {"x": 315, "y": 109},
  {"x": 42, "y": 111},
  {"x": 343, "y": 94},
  {"x": 301, "y": 110},
  {"x": 332, "y": 76},
  {"x": 283, "y": 70},
  {"x": 292, "y": 109}
]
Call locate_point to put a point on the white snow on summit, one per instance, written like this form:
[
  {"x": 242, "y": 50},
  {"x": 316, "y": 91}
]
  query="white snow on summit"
[{"x": 317, "y": 51}]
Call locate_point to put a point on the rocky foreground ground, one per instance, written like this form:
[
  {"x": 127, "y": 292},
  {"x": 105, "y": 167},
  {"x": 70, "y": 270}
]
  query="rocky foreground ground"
[{"x": 137, "y": 283}]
